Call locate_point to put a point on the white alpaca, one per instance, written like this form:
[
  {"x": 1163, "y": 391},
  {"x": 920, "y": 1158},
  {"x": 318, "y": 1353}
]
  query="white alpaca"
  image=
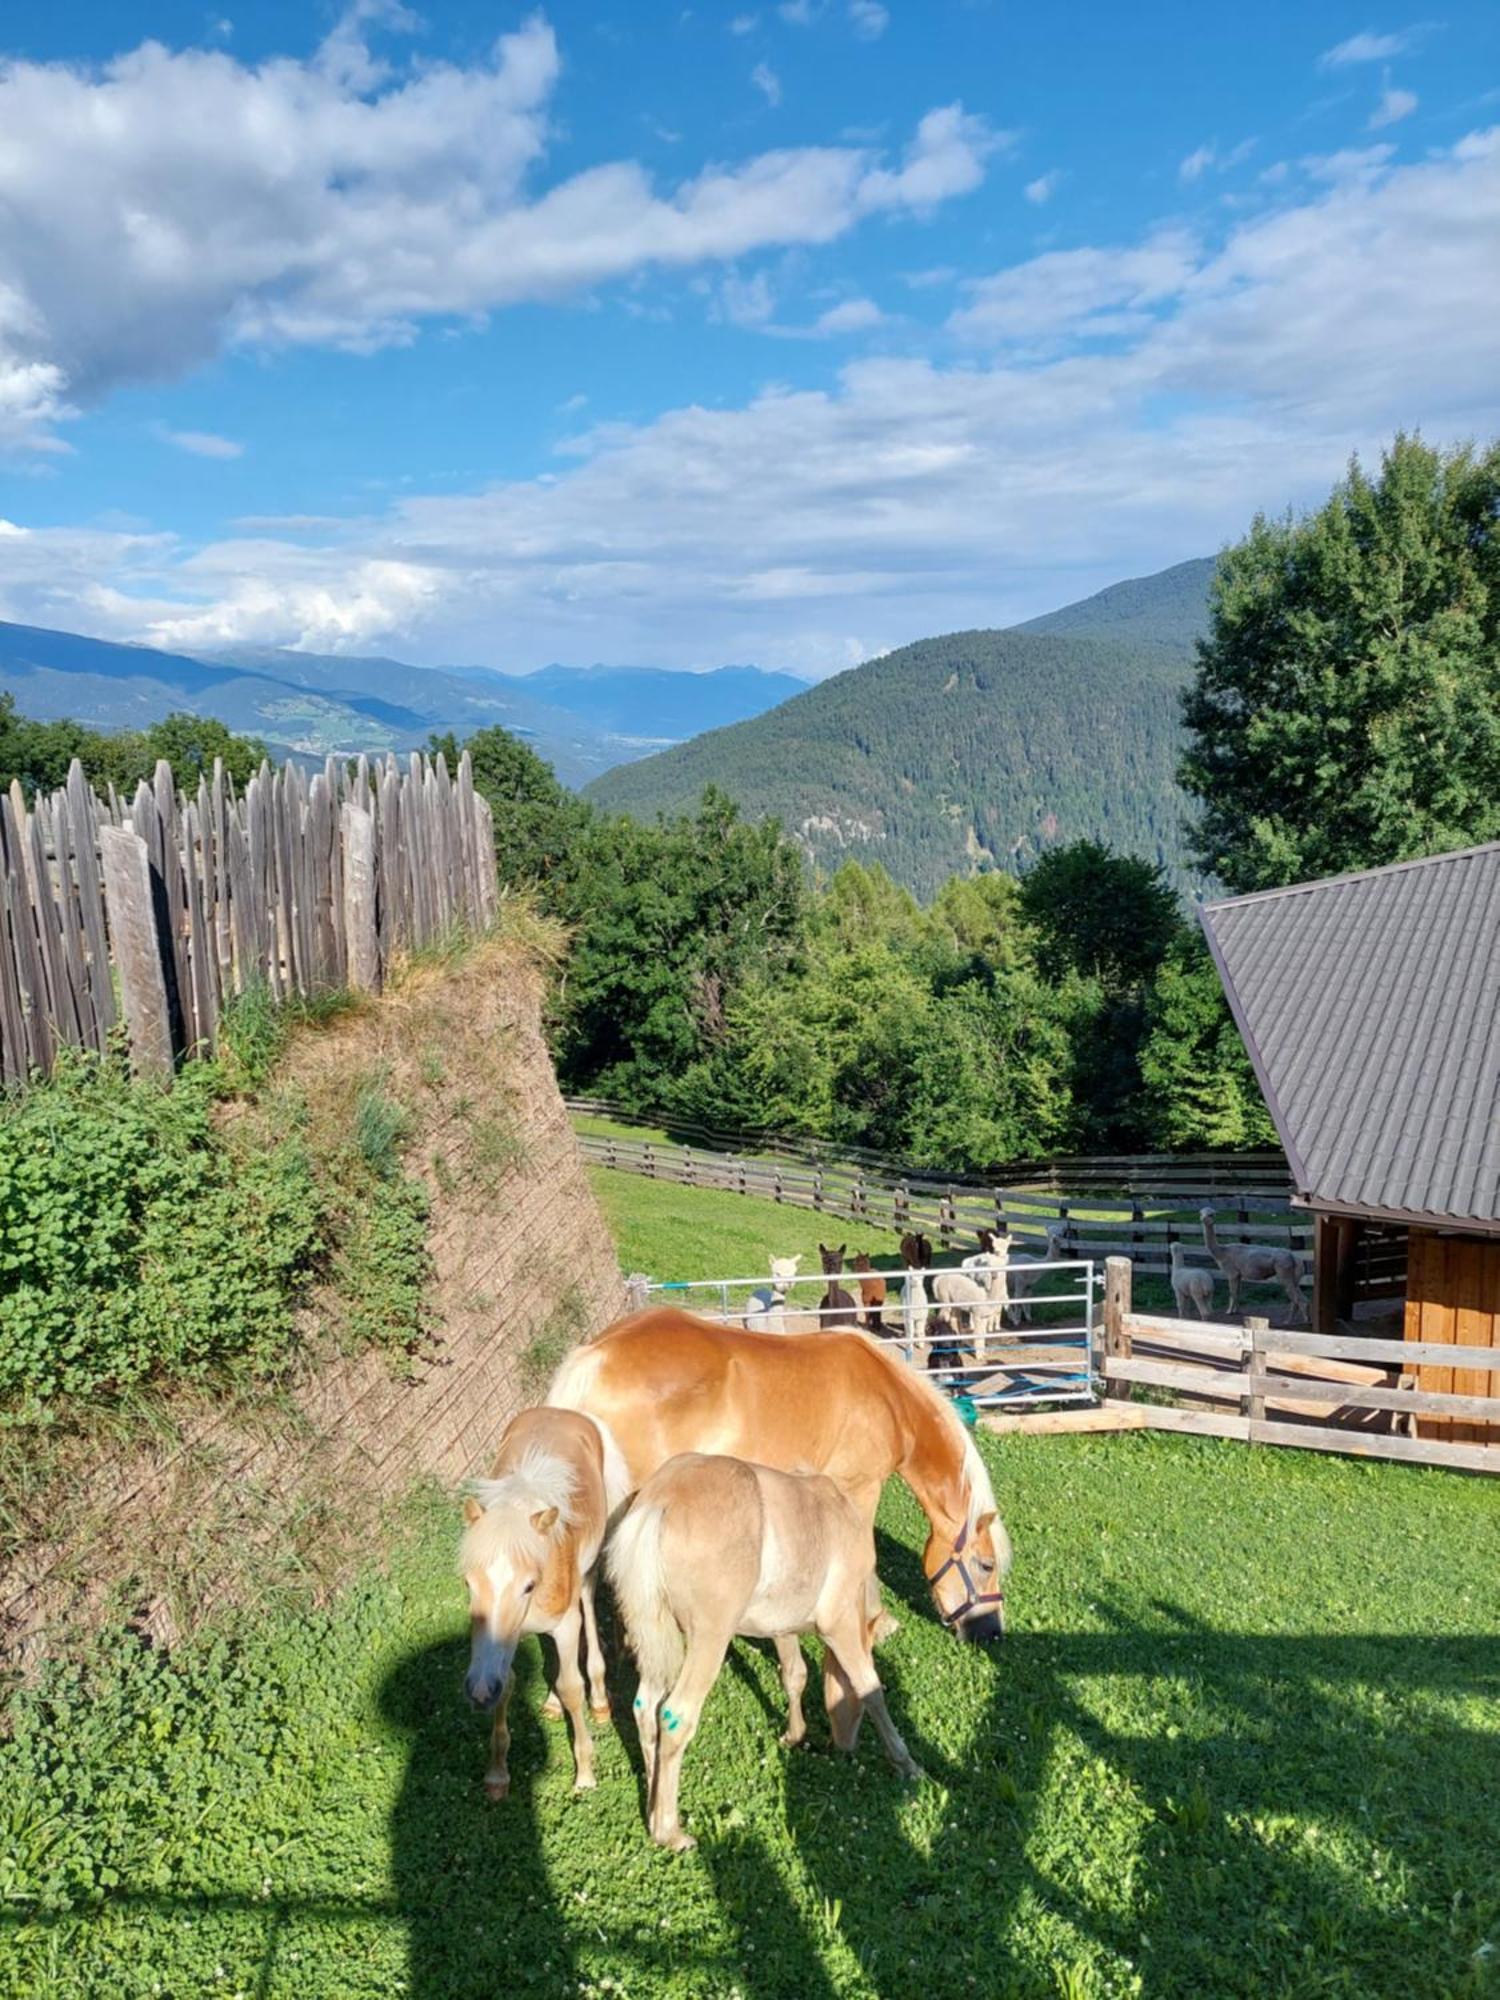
[
  {"x": 1191, "y": 1285},
  {"x": 914, "y": 1309},
  {"x": 764, "y": 1313},
  {"x": 967, "y": 1302},
  {"x": 1253, "y": 1264},
  {"x": 1027, "y": 1271}
]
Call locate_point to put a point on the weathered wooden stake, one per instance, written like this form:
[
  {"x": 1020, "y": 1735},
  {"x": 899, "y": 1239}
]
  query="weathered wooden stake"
[
  {"x": 136, "y": 950},
  {"x": 359, "y": 899},
  {"x": 1117, "y": 1274}
]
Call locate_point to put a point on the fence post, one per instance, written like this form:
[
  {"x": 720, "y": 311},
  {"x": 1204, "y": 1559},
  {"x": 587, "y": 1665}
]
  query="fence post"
[
  {"x": 137, "y": 953},
  {"x": 636, "y": 1292},
  {"x": 1117, "y": 1276},
  {"x": 1253, "y": 1370},
  {"x": 363, "y": 972}
]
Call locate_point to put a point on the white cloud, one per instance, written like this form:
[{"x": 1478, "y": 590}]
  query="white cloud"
[
  {"x": 170, "y": 205},
  {"x": 1042, "y": 189},
  {"x": 852, "y": 316},
  {"x": 1198, "y": 163},
  {"x": 744, "y": 24},
  {"x": 800, "y": 13},
  {"x": 868, "y": 19},
  {"x": 906, "y": 498},
  {"x": 767, "y": 82},
  {"x": 1394, "y": 105},
  {"x": 203, "y": 444},
  {"x": 1076, "y": 292},
  {"x": 1370, "y": 47}
]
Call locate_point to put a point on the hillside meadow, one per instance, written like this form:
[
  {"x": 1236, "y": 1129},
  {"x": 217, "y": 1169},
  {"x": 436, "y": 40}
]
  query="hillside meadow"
[{"x": 1243, "y": 1738}]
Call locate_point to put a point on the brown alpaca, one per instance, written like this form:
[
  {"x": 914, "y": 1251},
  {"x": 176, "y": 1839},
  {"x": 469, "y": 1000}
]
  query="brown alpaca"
[{"x": 872, "y": 1297}]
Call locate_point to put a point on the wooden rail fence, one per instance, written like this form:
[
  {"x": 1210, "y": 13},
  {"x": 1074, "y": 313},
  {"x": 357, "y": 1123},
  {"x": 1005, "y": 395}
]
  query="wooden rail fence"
[
  {"x": 159, "y": 909},
  {"x": 1263, "y": 1176},
  {"x": 1270, "y": 1385},
  {"x": 952, "y": 1212}
]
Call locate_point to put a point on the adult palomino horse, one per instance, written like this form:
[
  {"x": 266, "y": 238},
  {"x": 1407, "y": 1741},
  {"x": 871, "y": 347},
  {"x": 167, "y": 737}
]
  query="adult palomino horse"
[
  {"x": 712, "y": 1547},
  {"x": 663, "y": 1381},
  {"x": 533, "y": 1533}
]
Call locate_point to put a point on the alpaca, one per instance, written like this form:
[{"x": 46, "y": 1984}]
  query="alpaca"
[
  {"x": 1191, "y": 1285},
  {"x": 871, "y": 1296},
  {"x": 968, "y": 1302},
  {"x": 835, "y": 1299},
  {"x": 1027, "y": 1271},
  {"x": 914, "y": 1310},
  {"x": 916, "y": 1251},
  {"x": 764, "y": 1313},
  {"x": 1254, "y": 1264}
]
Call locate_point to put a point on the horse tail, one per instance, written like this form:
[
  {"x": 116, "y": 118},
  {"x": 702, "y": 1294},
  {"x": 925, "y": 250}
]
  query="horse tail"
[{"x": 636, "y": 1573}]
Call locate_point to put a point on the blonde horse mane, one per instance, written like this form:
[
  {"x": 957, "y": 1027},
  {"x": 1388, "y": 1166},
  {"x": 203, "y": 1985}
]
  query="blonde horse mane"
[
  {"x": 979, "y": 1493},
  {"x": 541, "y": 1480}
]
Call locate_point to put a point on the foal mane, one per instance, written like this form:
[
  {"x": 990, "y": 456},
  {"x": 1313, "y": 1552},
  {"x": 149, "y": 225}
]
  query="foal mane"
[{"x": 538, "y": 1481}]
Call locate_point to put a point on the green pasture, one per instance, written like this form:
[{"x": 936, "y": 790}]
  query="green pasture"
[{"x": 1243, "y": 1739}]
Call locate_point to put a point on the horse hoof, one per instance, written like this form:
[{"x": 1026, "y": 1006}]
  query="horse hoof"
[
  {"x": 552, "y": 1708},
  {"x": 790, "y": 1742},
  {"x": 883, "y": 1627},
  {"x": 585, "y": 1782},
  {"x": 496, "y": 1789},
  {"x": 677, "y": 1843},
  {"x": 600, "y": 1711}
]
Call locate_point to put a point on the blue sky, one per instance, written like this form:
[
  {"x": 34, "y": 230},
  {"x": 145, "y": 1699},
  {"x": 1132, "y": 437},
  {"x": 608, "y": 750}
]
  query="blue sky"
[{"x": 784, "y": 332}]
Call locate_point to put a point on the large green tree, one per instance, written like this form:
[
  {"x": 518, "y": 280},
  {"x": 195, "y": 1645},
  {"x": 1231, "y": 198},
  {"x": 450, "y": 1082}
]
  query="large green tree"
[
  {"x": 1346, "y": 706},
  {"x": 670, "y": 922},
  {"x": 1103, "y": 915},
  {"x": 1200, "y": 1090}
]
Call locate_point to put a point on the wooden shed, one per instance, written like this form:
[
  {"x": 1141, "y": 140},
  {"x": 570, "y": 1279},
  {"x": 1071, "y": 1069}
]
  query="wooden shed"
[{"x": 1370, "y": 1007}]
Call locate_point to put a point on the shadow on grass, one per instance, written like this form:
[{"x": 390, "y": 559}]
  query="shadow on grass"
[
  {"x": 469, "y": 1876},
  {"x": 1212, "y": 1832}
]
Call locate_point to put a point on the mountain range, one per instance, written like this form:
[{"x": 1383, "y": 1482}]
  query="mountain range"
[
  {"x": 582, "y": 720},
  {"x": 975, "y": 750}
]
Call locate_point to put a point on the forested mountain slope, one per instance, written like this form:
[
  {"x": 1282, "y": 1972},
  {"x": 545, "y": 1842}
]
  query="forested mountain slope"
[{"x": 969, "y": 751}]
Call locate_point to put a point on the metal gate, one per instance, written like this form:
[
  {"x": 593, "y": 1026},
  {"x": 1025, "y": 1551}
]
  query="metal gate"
[{"x": 1044, "y": 1348}]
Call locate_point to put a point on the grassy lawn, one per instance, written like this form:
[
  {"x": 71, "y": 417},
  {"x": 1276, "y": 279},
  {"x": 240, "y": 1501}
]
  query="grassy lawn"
[{"x": 1244, "y": 1739}]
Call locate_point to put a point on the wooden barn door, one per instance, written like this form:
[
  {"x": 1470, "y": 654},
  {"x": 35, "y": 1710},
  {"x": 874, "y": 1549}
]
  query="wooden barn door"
[{"x": 1453, "y": 1294}]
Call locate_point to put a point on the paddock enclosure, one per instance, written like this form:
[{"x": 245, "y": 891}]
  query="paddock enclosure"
[
  {"x": 1134, "y": 1206},
  {"x": 1053, "y": 1360}
]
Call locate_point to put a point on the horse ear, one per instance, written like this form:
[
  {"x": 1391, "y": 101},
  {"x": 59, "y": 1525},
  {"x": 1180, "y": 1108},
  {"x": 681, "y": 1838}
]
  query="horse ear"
[
  {"x": 545, "y": 1521},
  {"x": 795, "y": 1261},
  {"x": 472, "y": 1509},
  {"x": 986, "y": 1522}
]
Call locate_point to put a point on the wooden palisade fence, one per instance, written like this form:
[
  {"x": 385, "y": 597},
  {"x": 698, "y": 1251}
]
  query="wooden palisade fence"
[{"x": 162, "y": 907}]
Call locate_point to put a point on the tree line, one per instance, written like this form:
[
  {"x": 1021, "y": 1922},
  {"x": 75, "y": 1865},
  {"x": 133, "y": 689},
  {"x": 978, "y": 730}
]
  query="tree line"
[{"x": 1344, "y": 712}]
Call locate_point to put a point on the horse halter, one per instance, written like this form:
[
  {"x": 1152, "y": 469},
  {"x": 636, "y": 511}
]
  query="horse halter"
[{"x": 974, "y": 1600}]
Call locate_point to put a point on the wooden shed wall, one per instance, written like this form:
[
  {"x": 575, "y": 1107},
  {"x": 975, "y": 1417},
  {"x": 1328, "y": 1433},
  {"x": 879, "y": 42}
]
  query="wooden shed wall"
[{"x": 1453, "y": 1294}]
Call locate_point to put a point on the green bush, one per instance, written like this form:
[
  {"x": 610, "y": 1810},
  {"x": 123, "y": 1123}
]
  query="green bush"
[
  {"x": 164, "y": 1234},
  {"x": 139, "y": 1236}
]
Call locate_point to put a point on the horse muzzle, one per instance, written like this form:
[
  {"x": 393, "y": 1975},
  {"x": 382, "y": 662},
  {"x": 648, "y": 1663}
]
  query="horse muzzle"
[
  {"x": 484, "y": 1683},
  {"x": 986, "y": 1627}
]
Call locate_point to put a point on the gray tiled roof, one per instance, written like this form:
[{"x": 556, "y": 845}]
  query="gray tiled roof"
[{"x": 1371, "y": 1008}]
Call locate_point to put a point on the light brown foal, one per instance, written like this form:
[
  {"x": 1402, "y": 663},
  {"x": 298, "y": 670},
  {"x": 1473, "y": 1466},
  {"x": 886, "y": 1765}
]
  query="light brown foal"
[
  {"x": 712, "y": 1547},
  {"x": 535, "y": 1528}
]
